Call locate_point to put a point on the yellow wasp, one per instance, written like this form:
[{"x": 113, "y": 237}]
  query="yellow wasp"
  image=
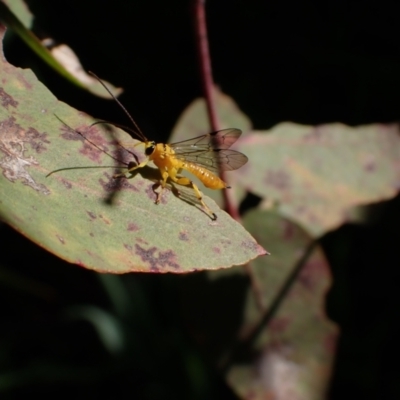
[
  {"x": 203, "y": 156},
  {"x": 199, "y": 156}
]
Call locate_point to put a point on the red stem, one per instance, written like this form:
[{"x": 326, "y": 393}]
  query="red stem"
[
  {"x": 205, "y": 62},
  {"x": 209, "y": 92},
  {"x": 208, "y": 87}
]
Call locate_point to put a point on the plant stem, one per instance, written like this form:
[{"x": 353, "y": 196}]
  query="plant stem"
[{"x": 209, "y": 87}]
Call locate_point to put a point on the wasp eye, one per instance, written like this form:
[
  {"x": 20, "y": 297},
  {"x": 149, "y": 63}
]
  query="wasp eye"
[{"x": 150, "y": 148}]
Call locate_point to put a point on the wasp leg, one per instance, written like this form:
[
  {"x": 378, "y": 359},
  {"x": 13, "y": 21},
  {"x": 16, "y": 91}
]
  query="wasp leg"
[
  {"x": 187, "y": 182},
  {"x": 130, "y": 170},
  {"x": 163, "y": 182}
]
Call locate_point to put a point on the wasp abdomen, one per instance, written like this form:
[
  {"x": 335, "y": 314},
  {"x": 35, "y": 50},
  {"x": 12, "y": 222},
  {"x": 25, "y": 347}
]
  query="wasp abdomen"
[{"x": 209, "y": 179}]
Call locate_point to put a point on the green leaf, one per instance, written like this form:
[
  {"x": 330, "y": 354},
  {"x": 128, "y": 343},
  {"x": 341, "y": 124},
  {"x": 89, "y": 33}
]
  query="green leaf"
[
  {"x": 61, "y": 58},
  {"x": 285, "y": 329},
  {"x": 317, "y": 174},
  {"x": 21, "y": 10},
  {"x": 84, "y": 215},
  {"x": 194, "y": 119},
  {"x": 266, "y": 326}
]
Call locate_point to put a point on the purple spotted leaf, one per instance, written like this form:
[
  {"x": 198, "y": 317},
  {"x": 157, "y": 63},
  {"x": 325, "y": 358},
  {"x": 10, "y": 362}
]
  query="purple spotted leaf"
[
  {"x": 285, "y": 328},
  {"x": 265, "y": 325},
  {"x": 83, "y": 214},
  {"x": 317, "y": 175}
]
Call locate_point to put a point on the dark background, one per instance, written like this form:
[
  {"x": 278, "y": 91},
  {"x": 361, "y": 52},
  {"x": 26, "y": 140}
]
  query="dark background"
[{"x": 303, "y": 61}]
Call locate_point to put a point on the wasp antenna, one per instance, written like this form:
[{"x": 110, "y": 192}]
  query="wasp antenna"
[
  {"x": 88, "y": 140},
  {"x": 89, "y": 167},
  {"x": 139, "y": 132},
  {"x": 125, "y": 128}
]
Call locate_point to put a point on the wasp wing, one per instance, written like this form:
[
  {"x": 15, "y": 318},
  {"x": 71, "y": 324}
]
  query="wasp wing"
[
  {"x": 216, "y": 160},
  {"x": 212, "y": 151},
  {"x": 222, "y": 139}
]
